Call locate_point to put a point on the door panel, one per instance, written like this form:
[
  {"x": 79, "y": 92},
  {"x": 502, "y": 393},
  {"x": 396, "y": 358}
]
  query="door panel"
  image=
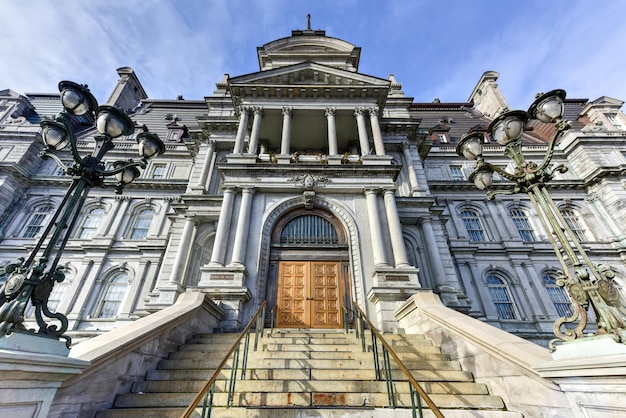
[{"x": 309, "y": 295}]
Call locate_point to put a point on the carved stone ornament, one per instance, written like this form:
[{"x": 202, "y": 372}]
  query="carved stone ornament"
[
  {"x": 309, "y": 181},
  {"x": 14, "y": 284}
]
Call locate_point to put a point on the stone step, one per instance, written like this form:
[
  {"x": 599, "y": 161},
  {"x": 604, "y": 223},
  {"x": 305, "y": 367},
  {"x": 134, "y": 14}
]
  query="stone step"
[
  {"x": 237, "y": 412},
  {"x": 421, "y": 349},
  {"x": 346, "y": 386},
  {"x": 304, "y": 399},
  {"x": 201, "y": 356},
  {"x": 313, "y": 374},
  {"x": 302, "y": 363}
]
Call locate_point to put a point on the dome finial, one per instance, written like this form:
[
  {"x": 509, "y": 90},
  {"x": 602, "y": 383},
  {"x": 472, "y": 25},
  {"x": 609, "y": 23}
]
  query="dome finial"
[{"x": 308, "y": 21}]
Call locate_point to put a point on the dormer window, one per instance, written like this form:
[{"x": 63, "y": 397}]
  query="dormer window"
[
  {"x": 176, "y": 132},
  {"x": 616, "y": 121},
  {"x": 440, "y": 134}
]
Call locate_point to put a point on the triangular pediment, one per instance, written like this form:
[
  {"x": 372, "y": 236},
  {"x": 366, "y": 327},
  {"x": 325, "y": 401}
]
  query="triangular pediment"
[
  {"x": 309, "y": 80},
  {"x": 309, "y": 73}
]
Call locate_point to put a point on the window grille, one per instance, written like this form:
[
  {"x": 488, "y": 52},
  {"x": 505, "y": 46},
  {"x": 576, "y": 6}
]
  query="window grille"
[
  {"x": 572, "y": 219},
  {"x": 56, "y": 296},
  {"x": 142, "y": 224},
  {"x": 501, "y": 297},
  {"x": 90, "y": 226},
  {"x": 474, "y": 226},
  {"x": 520, "y": 219},
  {"x": 558, "y": 296},
  {"x": 309, "y": 229},
  {"x": 113, "y": 296},
  {"x": 37, "y": 221},
  {"x": 457, "y": 173},
  {"x": 158, "y": 172}
]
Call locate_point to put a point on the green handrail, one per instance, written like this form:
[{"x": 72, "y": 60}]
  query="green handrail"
[
  {"x": 415, "y": 387},
  {"x": 206, "y": 393}
]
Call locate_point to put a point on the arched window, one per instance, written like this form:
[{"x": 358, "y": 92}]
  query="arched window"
[
  {"x": 113, "y": 296},
  {"x": 92, "y": 221},
  {"x": 474, "y": 226},
  {"x": 501, "y": 297},
  {"x": 573, "y": 221},
  {"x": 37, "y": 221},
  {"x": 56, "y": 296},
  {"x": 308, "y": 229},
  {"x": 558, "y": 295},
  {"x": 520, "y": 219},
  {"x": 142, "y": 224}
]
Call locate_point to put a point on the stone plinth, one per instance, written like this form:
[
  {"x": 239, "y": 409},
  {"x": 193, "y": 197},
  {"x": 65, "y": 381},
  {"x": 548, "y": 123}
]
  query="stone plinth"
[{"x": 32, "y": 369}]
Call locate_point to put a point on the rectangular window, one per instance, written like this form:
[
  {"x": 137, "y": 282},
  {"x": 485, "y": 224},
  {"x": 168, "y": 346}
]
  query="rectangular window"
[
  {"x": 443, "y": 138},
  {"x": 457, "y": 173},
  {"x": 158, "y": 172}
]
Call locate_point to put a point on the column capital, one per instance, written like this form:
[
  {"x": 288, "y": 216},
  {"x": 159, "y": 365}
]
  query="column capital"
[
  {"x": 245, "y": 109},
  {"x": 405, "y": 145},
  {"x": 360, "y": 111},
  {"x": 370, "y": 190},
  {"x": 330, "y": 111},
  {"x": 287, "y": 111},
  {"x": 258, "y": 110},
  {"x": 248, "y": 189},
  {"x": 374, "y": 111},
  {"x": 389, "y": 190}
]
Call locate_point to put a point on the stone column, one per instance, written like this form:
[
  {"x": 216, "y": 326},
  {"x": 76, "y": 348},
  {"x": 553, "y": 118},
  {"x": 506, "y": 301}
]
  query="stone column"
[
  {"x": 332, "y": 131},
  {"x": 286, "y": 137},
  {"x": 395, "y": 230},
  {"x": 378, "y": 138},
  {"x": 256, "y": 130},
  {"x": 223, "y": 225},
  {"x": 432, "y": 250},
  {"x": 206, "y": 166},
  {"x": 359, "y": 113},
  {"x": 241, "y": 130},
  {"x": 182, "y": 255},
  {"x": 409, "y": 165},
  {"x": 371, "y": 196},
  {"x": 243, "y": 223}
]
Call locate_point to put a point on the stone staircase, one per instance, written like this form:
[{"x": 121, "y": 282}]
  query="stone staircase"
[{"x": 304, "y": 373}]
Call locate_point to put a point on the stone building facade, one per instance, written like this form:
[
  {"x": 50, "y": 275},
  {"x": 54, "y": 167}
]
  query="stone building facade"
[{"x": 313, "y": 186}]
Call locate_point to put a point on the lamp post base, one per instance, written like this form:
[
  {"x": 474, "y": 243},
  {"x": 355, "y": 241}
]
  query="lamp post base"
[
  {"x": 32, "y": 343},
  {"x": 595, "y": 346}
]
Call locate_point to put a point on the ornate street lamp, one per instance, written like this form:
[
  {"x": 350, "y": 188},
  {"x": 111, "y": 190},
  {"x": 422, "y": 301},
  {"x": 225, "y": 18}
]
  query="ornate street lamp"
[
  {"x": 33, "y": 280},
  {"x": 586, "y": 283}
]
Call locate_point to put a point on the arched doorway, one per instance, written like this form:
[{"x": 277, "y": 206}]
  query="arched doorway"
[{"x": 311, "y": 280}]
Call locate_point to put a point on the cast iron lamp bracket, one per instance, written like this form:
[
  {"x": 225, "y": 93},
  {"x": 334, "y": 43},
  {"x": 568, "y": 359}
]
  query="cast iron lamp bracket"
[{"x": 31, "y": 280}]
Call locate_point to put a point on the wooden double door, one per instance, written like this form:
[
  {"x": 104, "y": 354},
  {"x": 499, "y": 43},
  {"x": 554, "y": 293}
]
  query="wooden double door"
[{"x": 309, "y": 294}]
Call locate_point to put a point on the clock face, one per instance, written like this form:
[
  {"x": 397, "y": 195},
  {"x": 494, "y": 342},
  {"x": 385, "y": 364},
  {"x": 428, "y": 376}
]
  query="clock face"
[{"x": 14, "y": 284}]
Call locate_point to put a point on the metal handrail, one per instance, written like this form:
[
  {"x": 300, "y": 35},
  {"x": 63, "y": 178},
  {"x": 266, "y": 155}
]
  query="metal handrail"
[
  {"x": 388, "y": 351},
  {"x": 208, "y": 389}
]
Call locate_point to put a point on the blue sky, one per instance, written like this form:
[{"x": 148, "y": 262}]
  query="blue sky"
[{"x": 435, "y": 48}]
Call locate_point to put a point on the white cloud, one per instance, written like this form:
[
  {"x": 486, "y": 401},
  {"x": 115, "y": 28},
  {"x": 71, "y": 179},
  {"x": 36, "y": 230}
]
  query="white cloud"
[{"x": 436, "y": 49}]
